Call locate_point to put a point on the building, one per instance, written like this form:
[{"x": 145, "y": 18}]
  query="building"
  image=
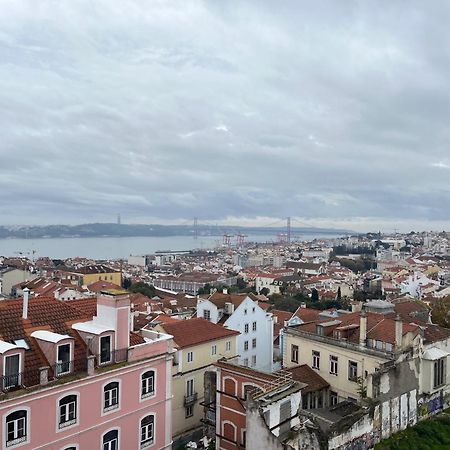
[
  {"x": 190, "y": 283},
  {"x": 244, "y": 314},
  {"x": 75, "y": 377},
  {"x": 9, "y": 277},
  {"x": 199, "y": 344}
]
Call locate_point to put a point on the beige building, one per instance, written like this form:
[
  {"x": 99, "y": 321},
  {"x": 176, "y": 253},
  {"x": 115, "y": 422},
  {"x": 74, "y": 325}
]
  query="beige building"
[
  {"x": 348, "y": 350},
  {"x": 199, "y": 344}
]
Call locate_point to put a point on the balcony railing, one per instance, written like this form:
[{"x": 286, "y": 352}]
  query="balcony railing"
[
  {"x": 112, "y": 357},
  {"x": 60, "y": 370},
  {"x": 190, "y": 399}
]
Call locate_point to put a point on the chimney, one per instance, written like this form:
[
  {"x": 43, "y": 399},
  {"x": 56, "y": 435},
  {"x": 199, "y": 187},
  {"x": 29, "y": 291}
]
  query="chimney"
[
  {"x": 225, "y": 291},
  {"x": 26, "y": 293},
  {"x": 362, "y": 328},
  {"x": 398, "y": 332}
]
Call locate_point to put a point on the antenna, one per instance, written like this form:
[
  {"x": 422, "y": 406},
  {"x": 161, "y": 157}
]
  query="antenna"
[
  {"x": 288, "y": 230},
  {"x": 195, "y": 228},
  {"x": 118, "y": 219}
]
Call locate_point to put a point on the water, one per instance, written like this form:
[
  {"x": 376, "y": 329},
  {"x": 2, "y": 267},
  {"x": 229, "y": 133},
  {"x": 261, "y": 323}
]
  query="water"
[{"x": 121, "y": 247}]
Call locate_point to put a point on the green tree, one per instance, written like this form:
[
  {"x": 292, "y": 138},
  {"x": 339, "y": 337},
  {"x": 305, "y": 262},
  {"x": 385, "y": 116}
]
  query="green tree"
[
  {"x": 143, "y": 288},
  {"x": 314, "y": 296}
]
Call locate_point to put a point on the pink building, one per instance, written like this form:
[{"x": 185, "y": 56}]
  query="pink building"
[{"x": 73, "y": 376}]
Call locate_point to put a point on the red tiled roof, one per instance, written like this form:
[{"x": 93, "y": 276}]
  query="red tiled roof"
[
  {"x": 307, "y": 314},
  {"x": 136, "y": 339},
  {"x": 281, "y": 316},
  {"x": 305, "y": 374},
  {"x": 86, "y": 305},
  {"x": 187, "y": 333}
]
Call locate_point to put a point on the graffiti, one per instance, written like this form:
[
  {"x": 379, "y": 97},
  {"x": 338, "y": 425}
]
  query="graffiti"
[{"x": 364, "y": 442}]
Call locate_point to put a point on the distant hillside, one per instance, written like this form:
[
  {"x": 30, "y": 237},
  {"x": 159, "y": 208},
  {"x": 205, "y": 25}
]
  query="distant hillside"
[{"x": 116, "y": 230}]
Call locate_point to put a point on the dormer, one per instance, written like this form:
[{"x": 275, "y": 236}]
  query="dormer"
[
  {"x": 12, "y": 359},
  {"x": 58, "y": 350}
]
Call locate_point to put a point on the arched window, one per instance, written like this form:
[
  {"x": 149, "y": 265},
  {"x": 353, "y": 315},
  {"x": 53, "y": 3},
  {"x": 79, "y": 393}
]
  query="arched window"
[
  {"x": 230, "y": 386},
  {"x": 111, "y": 440},
  {"x": 111, "y": 396},
  {"x": 229, "y": 431},
  {"x": 148, "y": 384},
  {"x": 67, "y": 411},
  {"x": 147, "y": 430},
  {"x": 16, "y": 428}
]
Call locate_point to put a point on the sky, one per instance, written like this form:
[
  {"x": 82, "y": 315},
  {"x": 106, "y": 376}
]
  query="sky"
[{"x": 245, "y": 112}]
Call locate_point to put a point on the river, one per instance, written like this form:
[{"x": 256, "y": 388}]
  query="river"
[{"x": 121, "y": 247}]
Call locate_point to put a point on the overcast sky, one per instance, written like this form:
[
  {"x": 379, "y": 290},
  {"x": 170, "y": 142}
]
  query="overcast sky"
[{"x": 337, "y": 113}]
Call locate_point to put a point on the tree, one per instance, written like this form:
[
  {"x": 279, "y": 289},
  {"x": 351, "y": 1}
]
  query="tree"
[
  {"x": 264, "y": 291},
  {"x": 143, "y": 288},
  {"x": 314, "y": 296},
  {"x": 126, "y": 283},
  {"x": 338, "y": 295}
]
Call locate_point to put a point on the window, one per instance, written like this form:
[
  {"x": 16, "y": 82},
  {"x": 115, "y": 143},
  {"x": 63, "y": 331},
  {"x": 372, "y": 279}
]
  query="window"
[
  {"x": 253, "y": 360},
  {"x": 213, "y": 350},
  {"x": 254, "y": 343},
  {"x": 190, "y": 357},
  {"x": 16, "y": 428},
  {"x": 254, "y": 326},
  {"x": 352, "y": 370},
  {"x": 333, "y": 398},
  {"x": 111, "y": 440},
  {"x": 189, "y": 388},
  {"x": 245, "y": 361},
  {"x": 228, "y": 346},
  {"x": 316, "y": 360},
  {"x": 12, "y": 369},
  {"x": 207, "y": 314},
  {"x": 105, "y": 349},
  {"x": 246, "y": 328},
  {"x": 294, "y": 353},
  {"x": 147, "y": 430},
  {"x": 111, "y": 396},
  {"x": 253, "y": 309},
  {"x": 189, "y": 411},
  {"x": 245, "y": 345},
  {"x": 67, "y": 411},
  {"x": 333, "y": 365},
  {"x": 63, "y": 359},
  {"x": 148, "y": 384},
  {"x": 245, "y": 311},
  {"x": 439, "y": 372}
]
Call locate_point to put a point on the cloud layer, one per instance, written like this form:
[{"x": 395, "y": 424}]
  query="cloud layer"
[{"x": 331, "y": 111}]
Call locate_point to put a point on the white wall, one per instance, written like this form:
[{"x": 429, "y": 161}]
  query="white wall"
[{"x": 264, "y": 334}]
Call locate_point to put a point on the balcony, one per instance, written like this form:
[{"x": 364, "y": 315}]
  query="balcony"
[{"x": 190, "y": 399}]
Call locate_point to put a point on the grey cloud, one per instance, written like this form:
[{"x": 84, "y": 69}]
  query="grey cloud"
[{"x": 224, "y": 109}]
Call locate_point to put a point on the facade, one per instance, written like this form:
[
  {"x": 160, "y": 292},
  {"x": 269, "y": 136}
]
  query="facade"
[
  {"x": 244, "y": 314},
  {"x": 71, "y": 380},
  {"x": 199, "y": 344},
  {"x": 190, "y": 283},
  {"x": 279, "y": 399},
  {"x": 11, "y": 276}
]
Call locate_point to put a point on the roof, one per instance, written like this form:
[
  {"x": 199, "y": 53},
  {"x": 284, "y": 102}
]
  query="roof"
[
  {"x": 305, "y": 374},
  {"x": 87, "y": 305},
  {"x": 93, "y": 269},
  {"x": 307, "y": 314},
  {"x": 187, "y": 333},
  {"x": 281, "y": 316},
  {"x": 101, "y": 285}
]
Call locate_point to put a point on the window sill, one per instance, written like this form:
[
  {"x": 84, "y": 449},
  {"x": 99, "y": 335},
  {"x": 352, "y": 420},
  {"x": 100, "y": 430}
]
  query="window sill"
[
  {"x": 332, "y": 373},
  {"x": 110, "y": 408},
  {"x": 67, "y": 424},
  {"x": 148, "y": 395},
  {"x": 147, "y": 444}
]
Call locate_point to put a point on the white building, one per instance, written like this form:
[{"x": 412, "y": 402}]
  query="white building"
[{"x": 243, "y": 313}]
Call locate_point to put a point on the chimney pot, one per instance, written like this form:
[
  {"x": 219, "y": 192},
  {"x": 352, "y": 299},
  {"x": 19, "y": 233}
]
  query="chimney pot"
[{"x": 26, "y": 293}]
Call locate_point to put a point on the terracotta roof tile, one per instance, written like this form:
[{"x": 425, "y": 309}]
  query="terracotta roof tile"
[
  {"x": 305, "y": 374},
  {"x": 187, "y": 333}
]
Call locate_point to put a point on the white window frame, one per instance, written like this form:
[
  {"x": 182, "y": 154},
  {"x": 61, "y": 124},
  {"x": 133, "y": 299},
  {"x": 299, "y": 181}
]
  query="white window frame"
[
  {"x": 62, "y": 427},
  {"x": 228, "y": 346},
  {"x": 111, "y": 349},
  {"x": 112, "y": 407},
  {"x": 149, "y": 394},
  {"x": 106, "y": 432},
  {"x": 254, "y": 326},
  {"x": 254, "y": 343},
  {"x": 253, "y": 360},
  {"x": 19, "y": 375},
  {"x": 27, "y": 427},
  {"x": 245, "y": 346},
  {"x": 147, "y": 444},
  {"x": 246, "y": 328},
  {"x": 316, "y": 359},
  {"x": 334, "y": 365},
  {"x": 190, "y": 356},
  {"x": 70, "y": 362},
  {"x": 213, "y": 349}
]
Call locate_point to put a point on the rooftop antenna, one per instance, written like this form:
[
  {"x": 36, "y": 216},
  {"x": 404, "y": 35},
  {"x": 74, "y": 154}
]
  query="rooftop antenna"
[
  {"x": 118, "y": 219},
  {"x": 195, "y": 228}
]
